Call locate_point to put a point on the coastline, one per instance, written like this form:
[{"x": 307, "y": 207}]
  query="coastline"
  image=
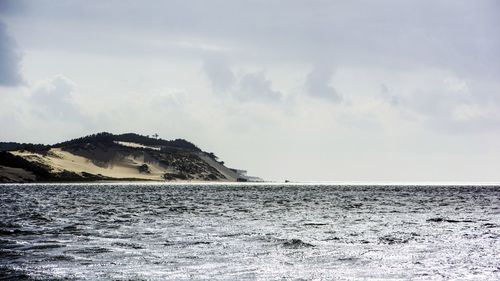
[{"x": 260, "y": 183}]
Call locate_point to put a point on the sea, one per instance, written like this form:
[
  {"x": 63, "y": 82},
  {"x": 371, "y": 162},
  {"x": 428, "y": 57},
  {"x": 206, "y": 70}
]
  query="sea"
[{"x": 137, "y": 231}]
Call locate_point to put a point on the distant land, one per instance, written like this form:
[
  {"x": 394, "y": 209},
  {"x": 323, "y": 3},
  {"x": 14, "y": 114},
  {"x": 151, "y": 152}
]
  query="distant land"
[{"x": 109, "y": 157}]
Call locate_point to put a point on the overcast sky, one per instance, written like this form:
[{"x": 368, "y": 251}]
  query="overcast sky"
[{"x": 300, "y": 90}]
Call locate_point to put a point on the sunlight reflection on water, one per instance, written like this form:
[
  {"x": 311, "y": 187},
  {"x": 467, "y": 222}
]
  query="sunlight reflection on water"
[{"x": 245, "y": 231}]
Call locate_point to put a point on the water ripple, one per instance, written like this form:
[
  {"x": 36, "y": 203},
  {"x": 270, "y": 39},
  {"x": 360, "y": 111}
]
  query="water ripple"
[{"x": 248, "y": 232}]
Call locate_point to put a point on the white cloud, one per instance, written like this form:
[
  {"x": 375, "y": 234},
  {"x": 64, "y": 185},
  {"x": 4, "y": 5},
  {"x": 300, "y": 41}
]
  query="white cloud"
[
  {"x": 454, "y": 84},
  {"x": 53, "y": 98}
]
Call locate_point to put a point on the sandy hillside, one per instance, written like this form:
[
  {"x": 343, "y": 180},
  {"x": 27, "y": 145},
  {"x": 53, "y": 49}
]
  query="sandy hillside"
[
  {"x": 228, "y": 173},
  {"x": 135, "y": 145},
  {"x": 125, "y": 163},
  {"x": 127, "y": 167},
  {"x": 106, "y": 156}
]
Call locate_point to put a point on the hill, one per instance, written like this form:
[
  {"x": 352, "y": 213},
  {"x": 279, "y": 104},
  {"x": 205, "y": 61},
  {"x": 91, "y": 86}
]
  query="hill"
[{"x": 105, "y": 157}]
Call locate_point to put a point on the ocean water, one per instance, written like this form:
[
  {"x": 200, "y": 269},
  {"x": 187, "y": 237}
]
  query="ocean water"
[{"x": 249, "y": 232}]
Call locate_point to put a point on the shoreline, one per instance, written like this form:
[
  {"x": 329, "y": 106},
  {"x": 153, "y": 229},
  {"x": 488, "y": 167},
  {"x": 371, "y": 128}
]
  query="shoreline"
[{"x": 272, "y": 183}]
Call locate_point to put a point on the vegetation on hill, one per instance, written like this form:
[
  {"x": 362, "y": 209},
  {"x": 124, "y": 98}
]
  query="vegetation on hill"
[
  {"x": 9, "y": 146},
  {"x": 105, "y": 137}
]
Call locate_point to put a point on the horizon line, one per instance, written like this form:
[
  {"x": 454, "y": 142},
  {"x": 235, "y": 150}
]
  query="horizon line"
[{"x": 311, "y": 183}]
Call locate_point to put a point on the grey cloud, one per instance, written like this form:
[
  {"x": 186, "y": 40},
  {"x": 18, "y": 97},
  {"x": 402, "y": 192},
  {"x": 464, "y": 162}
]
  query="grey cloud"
[
  {"x": 445, "y": 110},
  {"x": 318, "y": 83},
  {"x": 386, "y": 33},
  {"x": 256, "y": 87},
  {"x": 8, "y": 7},
  {"x": 217, "y": 69},
  {"x": 246, "y": 87},
  {"x": 9, "y": 59},
  {"x": 53, "y": 99},
  {"x": 387, "y": 95}
]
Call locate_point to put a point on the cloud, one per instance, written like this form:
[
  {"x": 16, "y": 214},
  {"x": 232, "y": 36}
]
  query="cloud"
[
  {"x": 53, "y": 99},
  {"x": 449, "y": 104},
  {"x": 375, "y": 86},
  {"x": 387, "y": 95},
  {"x": 245, "y": 87},
  {"x": 385, "y": 33},
  {"x": 220, "y": 75},
  {"x": 11, "y": 7},
  {"x": 256, "y": 87},
  {"x": 9, "y": 59},
  {"x": 48, "y": 105},
  {"x": 318, "y": 83},
  {"x": 171, "y": 99}
]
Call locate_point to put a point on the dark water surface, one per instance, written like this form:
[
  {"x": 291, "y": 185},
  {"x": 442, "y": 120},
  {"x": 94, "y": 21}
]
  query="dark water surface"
[{"x": 248, "y": 232}]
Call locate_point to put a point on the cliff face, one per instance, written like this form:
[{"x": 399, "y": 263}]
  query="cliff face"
[{"x": 112, "y": 157}]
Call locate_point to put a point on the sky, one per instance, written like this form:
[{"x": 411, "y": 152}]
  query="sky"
[{"x": 364, "y": 91}]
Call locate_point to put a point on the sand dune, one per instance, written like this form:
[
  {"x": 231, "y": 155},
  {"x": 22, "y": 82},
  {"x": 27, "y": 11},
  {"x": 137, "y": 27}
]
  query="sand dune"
[
  {"x": 136, "y": 145},
  {"x": 128, "y": 167},
  {"x": 118, "y": 163},
  {"x": 105, "y": 156},
  {"x": 228, "y": 173}
]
